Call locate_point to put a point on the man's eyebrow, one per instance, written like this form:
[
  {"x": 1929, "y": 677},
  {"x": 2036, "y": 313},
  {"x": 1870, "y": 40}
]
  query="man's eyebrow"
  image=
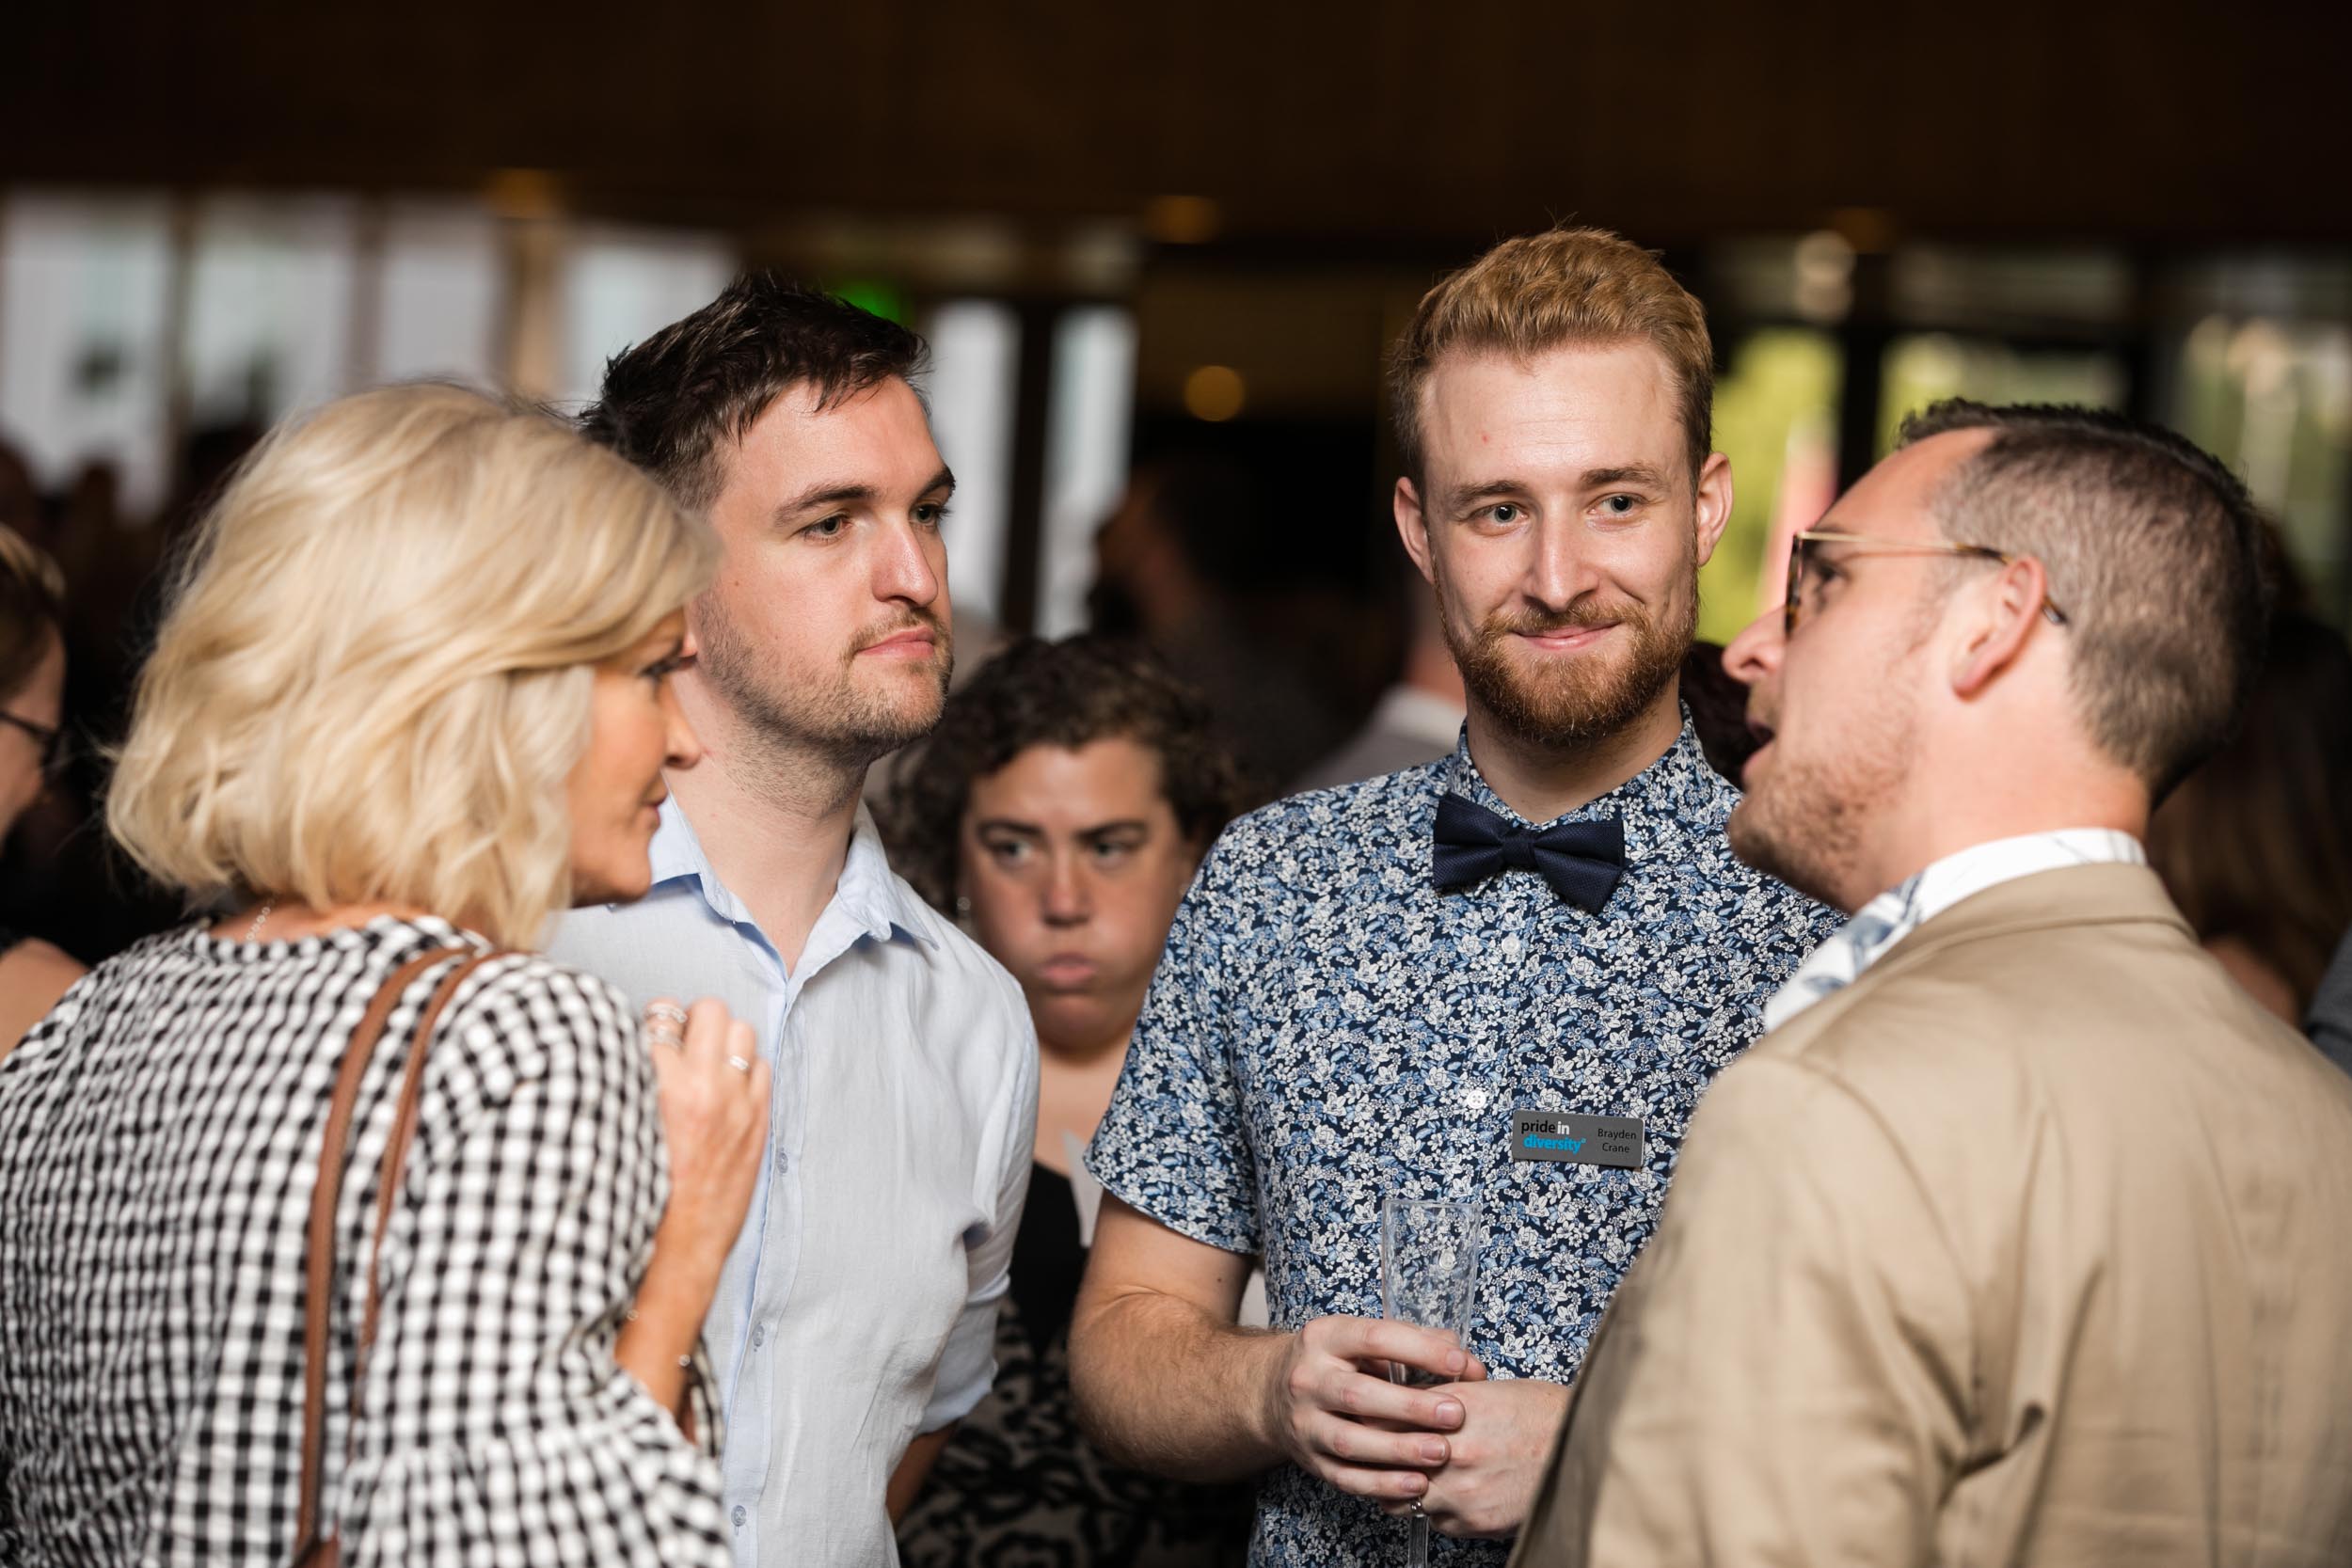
[
  {"x": 1463, "y": 497},
  {"x": 1640, "y": 474},
  {"x": 1008, "y": 825},
  {"x": 826, "y": 493},
  {"x": 848, "y": 492}
]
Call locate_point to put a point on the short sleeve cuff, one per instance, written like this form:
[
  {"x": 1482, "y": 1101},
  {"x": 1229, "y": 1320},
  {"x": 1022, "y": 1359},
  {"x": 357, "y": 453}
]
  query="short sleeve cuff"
[
  {"x": 967, "y": 1367},
  {"x": 1193, "y": 1197}
]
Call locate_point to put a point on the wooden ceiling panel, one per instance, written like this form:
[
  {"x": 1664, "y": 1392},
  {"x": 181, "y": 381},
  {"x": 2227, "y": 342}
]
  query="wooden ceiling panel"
[{"x": 1381, "y": 119}]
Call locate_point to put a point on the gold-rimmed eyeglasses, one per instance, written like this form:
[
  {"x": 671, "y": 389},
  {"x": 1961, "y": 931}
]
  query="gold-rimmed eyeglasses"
[{"x": 1805, "y": 575}]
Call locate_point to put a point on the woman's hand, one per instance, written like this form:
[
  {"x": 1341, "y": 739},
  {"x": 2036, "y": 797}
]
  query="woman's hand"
[
  {"x": 714, "y": 1113},
  {"x": 714, "y": 1116}
]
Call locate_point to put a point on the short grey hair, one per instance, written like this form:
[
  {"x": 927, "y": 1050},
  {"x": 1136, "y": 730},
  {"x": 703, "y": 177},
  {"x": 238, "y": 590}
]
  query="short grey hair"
[{"x": 2155, "y": 552}]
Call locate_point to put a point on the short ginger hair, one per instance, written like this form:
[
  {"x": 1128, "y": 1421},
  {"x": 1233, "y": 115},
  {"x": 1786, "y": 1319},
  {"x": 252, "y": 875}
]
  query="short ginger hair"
[{"x": 1564, "y": 288}]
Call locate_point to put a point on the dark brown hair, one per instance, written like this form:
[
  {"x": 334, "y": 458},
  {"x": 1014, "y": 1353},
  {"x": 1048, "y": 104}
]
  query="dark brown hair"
[
  {"x": 32, "y": 610},
  {"x": 2256, "y": 845},
  {"x": 1541, "y": 291},
  {"x": 2154, "y": 551},
  {"x": 1067, "y": 693},
  {"x": 669, "y": 402}
]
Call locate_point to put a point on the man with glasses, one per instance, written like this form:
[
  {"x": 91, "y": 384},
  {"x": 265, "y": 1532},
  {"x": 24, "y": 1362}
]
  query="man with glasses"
[{"x": 2024, "y": 1237}]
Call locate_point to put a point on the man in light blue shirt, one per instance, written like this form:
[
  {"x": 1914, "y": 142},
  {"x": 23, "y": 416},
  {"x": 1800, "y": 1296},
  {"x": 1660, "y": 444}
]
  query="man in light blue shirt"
[{"x": 854, "y": 1322}]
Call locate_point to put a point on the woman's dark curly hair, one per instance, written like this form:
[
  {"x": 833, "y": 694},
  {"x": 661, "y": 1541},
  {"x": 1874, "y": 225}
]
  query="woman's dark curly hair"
[{"x": 1067, "y": 693}]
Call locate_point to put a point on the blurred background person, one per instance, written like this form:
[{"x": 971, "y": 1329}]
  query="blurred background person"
[
  {"x": 2329, "y": 1022},
  {"x": 1059, "y": 811},
  {"x": 2256, "y": 845},
  {"x": 19, "y": 498},
  {"x": 1173, "y": 564},
  {"x": 1718, "y": 707},
  {"x": 33, "y": 974},
  {"x": 1418, "y": 718},
  {"x": 381, "y": 727}
]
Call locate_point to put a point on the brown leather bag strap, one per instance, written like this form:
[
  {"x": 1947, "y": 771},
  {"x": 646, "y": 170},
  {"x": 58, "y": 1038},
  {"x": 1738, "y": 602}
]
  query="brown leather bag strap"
[{"x": 334, "y": 1152}]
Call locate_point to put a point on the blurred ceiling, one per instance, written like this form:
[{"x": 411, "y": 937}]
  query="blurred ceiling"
[{"x": 1379, "y": 123}]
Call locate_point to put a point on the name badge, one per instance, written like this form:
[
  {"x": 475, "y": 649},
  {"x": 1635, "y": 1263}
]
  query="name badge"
[{"x": 1577, "y": 1140}]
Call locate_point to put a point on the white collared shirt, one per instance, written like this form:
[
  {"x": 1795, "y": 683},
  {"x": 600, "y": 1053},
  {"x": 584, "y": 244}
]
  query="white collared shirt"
[
  {"x": 858, "y": 1308},
  {"x": 1903, "y": 908}
]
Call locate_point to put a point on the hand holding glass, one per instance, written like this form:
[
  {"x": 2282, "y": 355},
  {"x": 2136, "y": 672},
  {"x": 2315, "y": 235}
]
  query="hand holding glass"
[{"x": 1428, "y": 1276}]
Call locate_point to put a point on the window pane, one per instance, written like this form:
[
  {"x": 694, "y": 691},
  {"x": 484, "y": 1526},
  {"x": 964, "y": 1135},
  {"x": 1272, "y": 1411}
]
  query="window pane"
[
  {"x": 1777, "y": 420},
  {"x": 269, "y": 307},
  {"x": 442, "y": 285},
  {"x": 1089, "y": 420},
  {"x": 620, "y": 286},
  {"x": 85, "y": 288},
  {"x": 1926, "y": 366},
  {"x": 976, "y": 349}
]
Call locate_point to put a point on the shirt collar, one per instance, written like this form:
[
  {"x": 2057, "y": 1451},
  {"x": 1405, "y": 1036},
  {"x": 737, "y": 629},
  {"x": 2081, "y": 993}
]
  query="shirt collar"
[
  {"x": 877, "y": 902},
  {"x": 1885, "y": 920},
  {"x": 871, "y": 894}
]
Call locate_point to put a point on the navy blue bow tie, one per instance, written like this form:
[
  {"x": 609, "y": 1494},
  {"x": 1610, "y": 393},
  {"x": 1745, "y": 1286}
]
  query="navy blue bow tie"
[{"x": 1581, "y": 861}]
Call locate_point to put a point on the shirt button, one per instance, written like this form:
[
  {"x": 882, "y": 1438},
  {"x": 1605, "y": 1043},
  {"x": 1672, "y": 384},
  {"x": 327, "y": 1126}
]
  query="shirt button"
[
  {"x": 759, "y": 1336},
  {"x": 783, "y": 1162},
  {"x": 1474, "y": 1098},
  {"x": 738, "y": 1516}
]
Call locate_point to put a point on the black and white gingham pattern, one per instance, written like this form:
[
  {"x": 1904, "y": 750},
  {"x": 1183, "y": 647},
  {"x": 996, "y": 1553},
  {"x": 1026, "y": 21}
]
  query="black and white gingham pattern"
[{"x": 159, "y": 1139}]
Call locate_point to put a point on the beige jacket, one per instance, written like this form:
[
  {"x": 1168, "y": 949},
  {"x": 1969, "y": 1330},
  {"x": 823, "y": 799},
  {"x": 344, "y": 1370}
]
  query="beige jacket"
[{"x": 2031, "y": 1247}]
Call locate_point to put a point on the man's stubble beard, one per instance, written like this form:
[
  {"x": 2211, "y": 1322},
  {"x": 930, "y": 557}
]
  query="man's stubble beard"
[
  {"x": 1808, "y": 824},
  {"x": 832, "y": 723},
  {"x": 1583, "y": 700}
]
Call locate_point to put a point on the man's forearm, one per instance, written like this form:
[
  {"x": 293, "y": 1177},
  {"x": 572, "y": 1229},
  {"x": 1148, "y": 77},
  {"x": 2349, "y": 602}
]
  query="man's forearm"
[{"x": 1162, "y": 1385}]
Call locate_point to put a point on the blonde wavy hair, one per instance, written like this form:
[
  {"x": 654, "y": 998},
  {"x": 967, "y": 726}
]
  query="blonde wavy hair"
[{"x": 373, "y": 681}]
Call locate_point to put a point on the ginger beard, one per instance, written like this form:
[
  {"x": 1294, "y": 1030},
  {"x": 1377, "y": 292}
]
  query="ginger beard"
[
  {"x": 1570, "y": 699},
  {"x": 852, "y": 717}
]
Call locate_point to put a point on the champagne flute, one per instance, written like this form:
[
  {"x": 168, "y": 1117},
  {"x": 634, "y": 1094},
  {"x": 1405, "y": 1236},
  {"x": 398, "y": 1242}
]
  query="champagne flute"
[{"x": 1428, "y": 1276}]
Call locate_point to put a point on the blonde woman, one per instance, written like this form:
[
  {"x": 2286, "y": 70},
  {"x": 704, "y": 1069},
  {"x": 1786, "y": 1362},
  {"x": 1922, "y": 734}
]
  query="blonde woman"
[
  {"x": 412, "y": 695},
  {"x": 32, "y": 695}
]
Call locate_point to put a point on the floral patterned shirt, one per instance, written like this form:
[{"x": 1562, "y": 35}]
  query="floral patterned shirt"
[{"x": 1325, "y": 1027}]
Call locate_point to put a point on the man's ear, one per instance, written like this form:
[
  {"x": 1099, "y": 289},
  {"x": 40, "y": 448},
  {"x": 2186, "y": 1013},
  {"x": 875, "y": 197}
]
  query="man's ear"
[
  {"x": 1714, "y": 509},
  {"x": 1413, "y": 526},
  {"x": 2001, "y": 617}
]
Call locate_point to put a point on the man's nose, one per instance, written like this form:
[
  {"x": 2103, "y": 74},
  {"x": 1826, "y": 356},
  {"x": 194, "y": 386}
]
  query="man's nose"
[
  {"x": 903, "y": 568},
  {"x": 1559, "y": 573},
  {"x": 1754, "y": 656}
]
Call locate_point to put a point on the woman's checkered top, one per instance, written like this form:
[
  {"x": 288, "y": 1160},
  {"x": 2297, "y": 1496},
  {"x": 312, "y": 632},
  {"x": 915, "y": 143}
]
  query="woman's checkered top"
[{"x": 159, "y": 1141}]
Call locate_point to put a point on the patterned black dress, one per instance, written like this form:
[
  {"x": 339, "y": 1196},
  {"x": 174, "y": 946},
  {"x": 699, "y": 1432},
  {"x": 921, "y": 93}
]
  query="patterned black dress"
[{"x": 1018, "y": 1486}]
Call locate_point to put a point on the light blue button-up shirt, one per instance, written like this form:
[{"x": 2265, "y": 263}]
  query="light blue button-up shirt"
[{"x": 858, "y": 1308}]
